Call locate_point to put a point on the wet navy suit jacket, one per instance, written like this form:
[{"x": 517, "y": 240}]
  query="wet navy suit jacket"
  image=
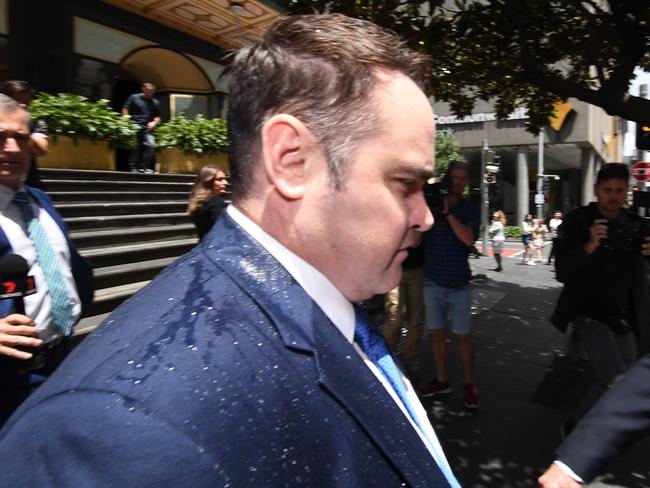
[{"x": 222, "y": 372}]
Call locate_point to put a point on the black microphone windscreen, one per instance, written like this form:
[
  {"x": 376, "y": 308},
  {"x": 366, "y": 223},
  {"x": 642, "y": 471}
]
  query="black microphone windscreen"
[{"x": 13, "y": 266}]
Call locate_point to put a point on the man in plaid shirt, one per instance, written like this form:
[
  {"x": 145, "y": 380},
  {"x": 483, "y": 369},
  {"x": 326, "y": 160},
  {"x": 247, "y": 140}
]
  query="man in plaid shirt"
[{"x": 446, "y": 281}]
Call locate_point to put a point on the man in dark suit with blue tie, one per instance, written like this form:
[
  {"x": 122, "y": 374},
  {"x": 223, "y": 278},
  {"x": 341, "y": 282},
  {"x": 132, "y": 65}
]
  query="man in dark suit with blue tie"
[
  {"x": 33, "y": 330},
  {"x": 246, "y": 363}
]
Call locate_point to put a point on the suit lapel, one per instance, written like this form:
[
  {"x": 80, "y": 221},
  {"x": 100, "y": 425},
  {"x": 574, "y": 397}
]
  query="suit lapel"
[{"x": 303, "y": 325}]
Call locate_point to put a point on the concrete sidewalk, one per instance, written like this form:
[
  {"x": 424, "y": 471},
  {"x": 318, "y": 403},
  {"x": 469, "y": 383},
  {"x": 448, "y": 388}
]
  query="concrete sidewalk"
[{"x": 527, "y": 386}]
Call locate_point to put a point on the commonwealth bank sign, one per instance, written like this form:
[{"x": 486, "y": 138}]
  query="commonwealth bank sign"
[{"x": 518, "y": 114}]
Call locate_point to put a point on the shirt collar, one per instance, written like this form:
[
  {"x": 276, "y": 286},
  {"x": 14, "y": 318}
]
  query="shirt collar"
[{"x": 330, "y": 300}]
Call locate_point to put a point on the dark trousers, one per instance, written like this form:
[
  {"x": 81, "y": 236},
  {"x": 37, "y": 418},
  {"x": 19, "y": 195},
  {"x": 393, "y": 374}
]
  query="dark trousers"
[
  {"x": 18, "y": 380},
  {"x": 141, "y": 156}
]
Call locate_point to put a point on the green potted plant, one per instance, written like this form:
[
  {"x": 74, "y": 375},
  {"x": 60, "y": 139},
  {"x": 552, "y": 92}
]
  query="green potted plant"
[
  {"x": 82, "y": 132},
  {"x": 187, "y": 144}
]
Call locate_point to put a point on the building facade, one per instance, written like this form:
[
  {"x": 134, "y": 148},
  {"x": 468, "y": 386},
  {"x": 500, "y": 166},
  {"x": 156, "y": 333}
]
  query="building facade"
[
  {"x": 575, "y": 145},
  {"x": 107, "y": 49}
]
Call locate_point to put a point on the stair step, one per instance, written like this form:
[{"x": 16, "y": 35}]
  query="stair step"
[
  {"x": 116, "y": 185},
  {"x": 89, "y": 174},
  {"x": 120, "y": 274},
  {"x": 128, "y": 221},
  {"x": 85, "y": 326},
  {"x": 118, "y": 208},
  {"x": 107, "y": 299},
  {"x": 95, "y": 238},
  {"x": 132, "y": 253},
  {"x": 60, "y": 197}
]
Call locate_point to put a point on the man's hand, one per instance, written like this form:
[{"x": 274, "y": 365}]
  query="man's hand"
[
  {"x": 18, "y": 330},
  {"x": 645, "y": 247},
  {"x": 597, "y": 232},
  {"x": 555, "y": 477},
  {"x": 151, "y": 125}
]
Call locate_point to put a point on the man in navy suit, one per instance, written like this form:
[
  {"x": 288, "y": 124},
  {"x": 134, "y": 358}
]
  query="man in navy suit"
[
  {"x": 31, "y": 344},
  {"x": 246, "y": 363},
  {"x": 619, "y": 419}
]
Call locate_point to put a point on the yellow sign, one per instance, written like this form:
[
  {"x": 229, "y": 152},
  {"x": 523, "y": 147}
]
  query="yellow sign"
[{"x": 560, "y": 112}]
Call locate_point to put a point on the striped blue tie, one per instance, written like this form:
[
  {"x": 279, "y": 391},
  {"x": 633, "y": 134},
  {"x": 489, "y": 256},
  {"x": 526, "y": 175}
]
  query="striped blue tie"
[
  {"x": 373, "y": 344},
  {"x": 50, "y": 264}
]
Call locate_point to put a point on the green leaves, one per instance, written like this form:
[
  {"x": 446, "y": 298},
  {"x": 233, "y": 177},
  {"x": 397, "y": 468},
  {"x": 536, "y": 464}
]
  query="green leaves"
[
  {"x": 447, "y": 150},
  {"x": 520, "y": 53},
  {"x": 77, "y": 117},
  {"x": 199, "y": 136}
]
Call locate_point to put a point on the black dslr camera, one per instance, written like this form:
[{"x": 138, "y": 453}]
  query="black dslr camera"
[
  {"x": 434, "y": 194},
  {"x": 626, "y": 233}
]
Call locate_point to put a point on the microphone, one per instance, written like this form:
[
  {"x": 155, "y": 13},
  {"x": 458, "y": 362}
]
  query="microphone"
[{"x": 14, "y": 281}]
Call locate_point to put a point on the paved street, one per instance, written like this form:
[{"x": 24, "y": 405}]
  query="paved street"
[{"x": 527, "y": 385}]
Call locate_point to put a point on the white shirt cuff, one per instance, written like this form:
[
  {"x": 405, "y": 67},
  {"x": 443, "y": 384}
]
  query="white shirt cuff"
[{"x": 568, "y": 471}]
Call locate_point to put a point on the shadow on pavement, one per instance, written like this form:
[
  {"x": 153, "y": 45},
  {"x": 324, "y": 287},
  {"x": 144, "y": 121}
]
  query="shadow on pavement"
[{"x": 527, "y": 386}]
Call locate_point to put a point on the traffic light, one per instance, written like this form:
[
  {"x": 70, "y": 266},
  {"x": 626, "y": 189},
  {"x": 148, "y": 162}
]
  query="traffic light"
[
  {"x": 491, "y": 171},
  {"x": 643, "y": 137},
  {"x": 546, "y": 186}
]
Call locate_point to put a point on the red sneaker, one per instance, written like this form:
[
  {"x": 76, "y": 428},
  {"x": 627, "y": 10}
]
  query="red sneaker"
[
  {"x": 471, "y": 396},
  {"x": 434, "y": 388}
]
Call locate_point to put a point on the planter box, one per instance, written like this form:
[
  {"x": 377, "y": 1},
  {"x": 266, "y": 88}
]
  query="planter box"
[
  {"x": 83, "y": 155},
  {"x": 175, "y": 161}
]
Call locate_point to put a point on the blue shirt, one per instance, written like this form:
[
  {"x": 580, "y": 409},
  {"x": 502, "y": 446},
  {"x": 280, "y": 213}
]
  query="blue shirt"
[{"x": 445, "y": 261}]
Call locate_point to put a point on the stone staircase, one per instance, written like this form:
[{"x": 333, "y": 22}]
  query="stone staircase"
[{"x": 128, "y": 225}]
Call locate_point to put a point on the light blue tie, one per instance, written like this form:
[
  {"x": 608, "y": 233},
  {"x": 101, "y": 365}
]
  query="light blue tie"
[
  {"x": 373, "y": 344},
  {"x": 50, "y": 264}
]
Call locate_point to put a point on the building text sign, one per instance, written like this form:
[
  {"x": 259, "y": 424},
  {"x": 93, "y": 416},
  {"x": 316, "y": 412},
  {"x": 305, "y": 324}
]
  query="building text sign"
[{"x": 519, "y": 114}]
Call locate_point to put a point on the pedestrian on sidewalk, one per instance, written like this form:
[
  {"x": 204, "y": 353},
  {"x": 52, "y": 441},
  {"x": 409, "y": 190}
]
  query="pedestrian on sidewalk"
[
  {"x": 446, "y": 283},
  {"x": 602, "y": 267},
  {"x": 498, "y": 236},
  {"x": 553, "y": 225},
  {"x": 527, "y": 240},
  {"x": 539, "y": 234}
]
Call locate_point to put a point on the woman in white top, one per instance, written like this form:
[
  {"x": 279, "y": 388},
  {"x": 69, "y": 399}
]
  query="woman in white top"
[
  {"x": 527, "y": 239},
  {"x": 540, "y": 233},
  {"x": 498, "y": 236}
]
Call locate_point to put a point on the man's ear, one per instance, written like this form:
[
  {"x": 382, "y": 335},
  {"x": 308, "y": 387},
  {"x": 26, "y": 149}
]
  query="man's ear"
[{"x": 285, "y": 143}]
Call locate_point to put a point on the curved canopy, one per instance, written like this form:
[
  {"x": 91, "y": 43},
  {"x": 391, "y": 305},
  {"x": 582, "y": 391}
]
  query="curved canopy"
[{"x": 168, "y": 70}]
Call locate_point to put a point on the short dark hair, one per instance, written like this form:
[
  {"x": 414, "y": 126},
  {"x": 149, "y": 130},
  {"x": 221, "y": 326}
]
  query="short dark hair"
[
  {"x": 457, "y": 164},
  {"x": 12, "y": 87},
  {"x": 613, "y": 171},
  {"x": 320, "y": 69}
]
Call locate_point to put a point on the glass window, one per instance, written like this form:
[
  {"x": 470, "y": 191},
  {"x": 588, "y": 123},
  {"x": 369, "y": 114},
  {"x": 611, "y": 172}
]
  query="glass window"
[
  {"x": 93, "y": 79},
  {"x": 101, "y": 42},
  {"x": 188, "y": 105}
]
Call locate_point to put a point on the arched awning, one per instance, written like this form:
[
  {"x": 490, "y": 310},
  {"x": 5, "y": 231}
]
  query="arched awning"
[{"x": 168, "y": 70}]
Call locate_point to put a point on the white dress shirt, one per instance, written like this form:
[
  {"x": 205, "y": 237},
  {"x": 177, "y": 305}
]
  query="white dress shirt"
[
  {"x": 341, "y": 312},
  {"x": 39, "y": 305}
]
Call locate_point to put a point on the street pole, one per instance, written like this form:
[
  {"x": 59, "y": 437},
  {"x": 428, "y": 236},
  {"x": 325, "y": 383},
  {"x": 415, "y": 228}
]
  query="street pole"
[
  {"x": 643, "y": 155},
  {"x": 485, "y": 155},
  {"x": 540, "y": 172}
]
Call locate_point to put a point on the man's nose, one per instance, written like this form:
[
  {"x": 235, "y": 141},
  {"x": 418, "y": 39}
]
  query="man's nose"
[
  {"x": 10, "y": 145},
  {"x": 421, "y": 216}
]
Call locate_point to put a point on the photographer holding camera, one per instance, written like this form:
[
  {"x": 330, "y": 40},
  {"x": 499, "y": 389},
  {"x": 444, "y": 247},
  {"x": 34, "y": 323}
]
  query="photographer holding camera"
[
  {"x": 446, "y": 278},
  {"x": 599, "y": 258}
]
